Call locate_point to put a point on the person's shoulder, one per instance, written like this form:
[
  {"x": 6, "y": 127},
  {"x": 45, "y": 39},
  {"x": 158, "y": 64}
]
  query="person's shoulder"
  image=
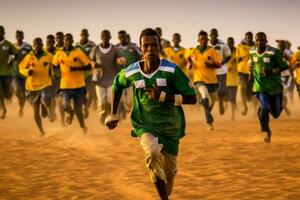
[
  {"x": 91, "y": 43},
  {"x": 132, "y": 69},
  {"x": 167, "y": 66},
  {"x": 272, "y": 50},
  {"x": 253, "y": 50}
]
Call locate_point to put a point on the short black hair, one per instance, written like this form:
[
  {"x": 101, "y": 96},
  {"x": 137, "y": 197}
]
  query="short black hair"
[
  {"x": 69, "y": 35},
  {"x": 248, "y": 33},
  {"x": 50, "y": 37},
  {"x": 38, "y": 38},
  {"x": 230, "y": 38},
  {"x": 150, "y": 32},
  {"x": 19, "y": 32},
  {"x": 177, "y": 34},
  {"x": 121, "y": 32},
  {"x": 202, "y": 33},
  {"x": 59, "y": 33},
  {"x": 261, "y": 34}
]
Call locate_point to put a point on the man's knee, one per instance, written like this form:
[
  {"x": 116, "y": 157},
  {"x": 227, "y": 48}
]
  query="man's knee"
[{"x": 150, "y": 145}]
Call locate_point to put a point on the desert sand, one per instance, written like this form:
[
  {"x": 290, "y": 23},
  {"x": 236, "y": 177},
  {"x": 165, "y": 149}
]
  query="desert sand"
[{"x": 232, "y": 162}]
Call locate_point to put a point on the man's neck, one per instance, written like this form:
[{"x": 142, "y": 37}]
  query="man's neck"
[
  {"x": 83, "y": 41},
  {"x": 51, "y": 49},
  {"x": 105, "y": 45},
  {"x": 261, "y": 50},
  {"x": 214, "y": 42},
  {"x": 150, "y": 66}
]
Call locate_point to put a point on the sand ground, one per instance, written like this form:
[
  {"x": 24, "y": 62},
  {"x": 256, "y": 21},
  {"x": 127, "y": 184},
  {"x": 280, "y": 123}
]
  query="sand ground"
[{"x": 229, "y": 163}]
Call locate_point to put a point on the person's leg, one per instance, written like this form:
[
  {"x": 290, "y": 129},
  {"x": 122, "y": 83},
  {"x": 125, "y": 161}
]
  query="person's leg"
[
  {"x": 155, "y": 163},
  {"x": 232, "y": 99},
  {"x": 46, "y": 98},
  {"x": 170, "y": 168},
  {"x": 34, "y": 99},
  {"x": 206, "y": 102},
  {"x": 276, "y": 105},
  {"x": 18, "y": 86},
  {"x": 102, "y": 102},
  {"x": 89, "y": 95},
  {"x": 298, "y": 90},
  {"x": 5, "y": 93},
  {"x": 66, "y": 105},
  {"x": 222, "y": 91},
  {"x": 79, "y": 99},
  {"x": 243, "y": 91},
  {"x": 263, "y": 114}
]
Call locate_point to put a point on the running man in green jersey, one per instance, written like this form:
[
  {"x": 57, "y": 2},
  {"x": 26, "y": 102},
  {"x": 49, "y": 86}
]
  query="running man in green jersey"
[
  {"x": 7, "y": 49},
  {"x": 159, "y": 89},
  {"x": 266, "y": 65}
]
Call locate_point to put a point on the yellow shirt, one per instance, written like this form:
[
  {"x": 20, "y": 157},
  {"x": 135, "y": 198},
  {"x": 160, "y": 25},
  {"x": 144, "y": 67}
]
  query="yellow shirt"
[
  {"x": 243, "y": 52},
  {"x": 76, "y": 58},
  {"x": 232, "y": 78},
  {"x": 177, "y": 57},
  {"x": 41, "y": 67},
  {"x": 295, "y": 62},
  {"x": 200, "y": 71}
]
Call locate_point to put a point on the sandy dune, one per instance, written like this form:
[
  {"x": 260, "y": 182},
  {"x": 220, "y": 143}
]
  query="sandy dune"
[{"x": 229, "y": 163}]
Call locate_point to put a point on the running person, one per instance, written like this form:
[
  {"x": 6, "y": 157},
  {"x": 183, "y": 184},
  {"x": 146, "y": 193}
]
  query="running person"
[
  {"x": 72, "y": 62},
  {"x": 159, "y": 88},
  {"x": 205, "y": 60},
  {"x": 242, "y": 56},
  {"x": 7, "y": 49},
  {"x": 36, "y": 67},
  {"x": 86, "y": 46},
  {"x": 176, "y": 54},
  {"x": 225, "y": 54},
  {"x": 232, "y": 77},
  {"x": 267, "y": 63},
  {"x": 131, "y": 54},
  {"x": 18, "y": 81},
  {"x": 56, "y": 76},
  {"x": 104, "y": 58}
]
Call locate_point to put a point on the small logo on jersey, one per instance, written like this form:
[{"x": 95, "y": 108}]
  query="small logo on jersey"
[
  {"x": 45, "y": 64},
  {"x": 255, "y": 59},
  {"x": 75, "y": 59},
  {"x": 139, "y": 84},
  {"x": 23, "y": 52},
  {"x": 160, "y": 82},
  {"x": 5, "y": 48},
  {"x": 209, "y": 58},
  {"x": 266, "y": 60}
]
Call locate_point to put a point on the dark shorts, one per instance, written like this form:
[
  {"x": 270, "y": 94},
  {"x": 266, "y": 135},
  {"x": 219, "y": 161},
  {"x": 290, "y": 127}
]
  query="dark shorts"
[
  {"x": 5, "y": 87},
  {"x": 222, "y": 89},
  {"x": 18, "y": 84},
  {"x": 77, "y": 94},
  {"x": 40, "y": 95}
]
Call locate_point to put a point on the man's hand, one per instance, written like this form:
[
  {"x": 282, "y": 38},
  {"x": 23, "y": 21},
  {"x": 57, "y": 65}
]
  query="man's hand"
[
  {"x": 112, "y": 121},
  {"x": 153, "y": 93}
]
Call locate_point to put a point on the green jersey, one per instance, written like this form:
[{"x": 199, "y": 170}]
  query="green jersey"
[
  {"x": 162, "y": 119},
  {"x": 86, "y": 48},
  {"x": 270, "y": 59},
  {"x": 7, "y": 49},
  {"x": 23, "y": 50},
  {"x": 130, "y": 53}
]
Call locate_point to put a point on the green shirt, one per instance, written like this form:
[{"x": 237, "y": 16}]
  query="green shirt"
[
  {"x": 23, "y": 50},
  {"x": 86, "y": 48},
  {"x": 7, "y": 49},
  {"x": 130, "y": 53},
  {"x": 162, "y": 119},
  {"x": 270, "y": 59}
]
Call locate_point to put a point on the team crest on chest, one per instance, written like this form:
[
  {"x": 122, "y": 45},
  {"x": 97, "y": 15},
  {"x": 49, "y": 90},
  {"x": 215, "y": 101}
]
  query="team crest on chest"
[
  {"x": 161, "y": 82},
  {"x": 139, "y": 84},
  {"x": 266, "y": 60}
]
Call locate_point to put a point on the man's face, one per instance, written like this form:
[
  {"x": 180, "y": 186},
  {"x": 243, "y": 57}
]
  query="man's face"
[
  {"x": 50, "y": 42},
  {"x": 249, "y": 38},
  {"x": 123, "y": 38},
  {"x": 68, "y": 41},
  {"x": 230, "y": 43},
  {"x": 176, "y": 40},
  {"x": 213, "y": 35},
  {"x": 150, "y": 47},
  {"x": 202, "y": 39},
  {"x": 260, "y": 41},
  {"x": 84, "y": 35},
  {"x": 105, "y": 37},
  {"x": 60, "y": 40},
  {"x": 19, "y": 37},
  {"x": 37, "y": 45}
]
